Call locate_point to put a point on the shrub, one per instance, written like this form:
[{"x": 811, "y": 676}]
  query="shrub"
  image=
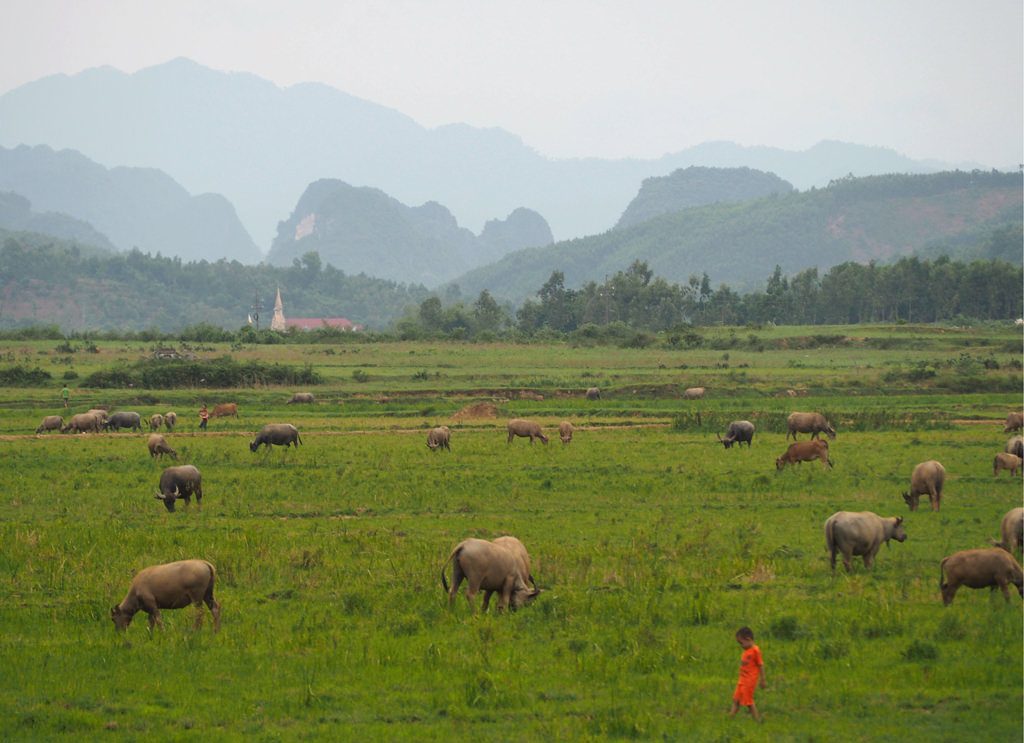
[
  {"x": 20, "y": 376},
  {"x": 222, "y": 372}
]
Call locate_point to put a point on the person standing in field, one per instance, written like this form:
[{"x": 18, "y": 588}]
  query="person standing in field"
[
  {"x": 751, "y": 674},
  {"x": 65, "y": 394},
  {"x": 204, "y": 417}
]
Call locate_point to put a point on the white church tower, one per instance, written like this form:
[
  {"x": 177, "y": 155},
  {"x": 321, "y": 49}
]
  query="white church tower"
[{"x": 278, "y": 323}]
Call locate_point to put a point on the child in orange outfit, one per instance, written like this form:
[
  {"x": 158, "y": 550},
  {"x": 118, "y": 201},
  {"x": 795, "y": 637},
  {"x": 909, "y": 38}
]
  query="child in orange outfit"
[{"x": 751, "y": 672}]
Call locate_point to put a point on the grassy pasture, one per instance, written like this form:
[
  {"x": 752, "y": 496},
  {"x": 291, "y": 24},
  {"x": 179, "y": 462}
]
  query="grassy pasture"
[{"x": 651, "y": 542}]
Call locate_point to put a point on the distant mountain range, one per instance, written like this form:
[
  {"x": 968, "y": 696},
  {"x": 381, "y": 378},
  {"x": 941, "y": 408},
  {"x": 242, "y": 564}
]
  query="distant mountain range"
[
  {"x": 124, "y": 207},
  {"x": 17, "y": 215},
  {"x": 259, "y": 145},
  {"x": 363, "y": 230},
  {"x": 854, "y": 219}
]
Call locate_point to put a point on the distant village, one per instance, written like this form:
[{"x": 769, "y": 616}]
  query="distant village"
[{"x": 281, "y": 324}]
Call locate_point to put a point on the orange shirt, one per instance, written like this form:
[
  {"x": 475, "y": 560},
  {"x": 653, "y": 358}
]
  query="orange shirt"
[{"x": 750, "y": 666}]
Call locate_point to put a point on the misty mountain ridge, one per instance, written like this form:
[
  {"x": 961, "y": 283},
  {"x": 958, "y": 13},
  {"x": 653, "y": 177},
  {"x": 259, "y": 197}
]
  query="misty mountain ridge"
[
  {"x": 131, "y": 207},
  {"x": 17, "y": 215},
  {"x": 242, "y": 136},
  {"x": 363, "y": 230}
]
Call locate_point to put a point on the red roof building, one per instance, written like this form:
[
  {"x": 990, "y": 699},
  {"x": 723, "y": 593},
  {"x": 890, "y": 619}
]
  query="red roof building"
[{"x": 312, "y": 323}]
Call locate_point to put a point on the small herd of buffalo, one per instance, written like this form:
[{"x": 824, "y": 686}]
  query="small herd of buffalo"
[{"x": 502, "y": 566}]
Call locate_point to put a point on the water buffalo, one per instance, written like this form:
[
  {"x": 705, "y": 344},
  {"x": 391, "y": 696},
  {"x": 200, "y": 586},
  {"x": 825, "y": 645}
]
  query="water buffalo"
[
  {"x": 1015, "y": 445},
  {"x": 180, "y": 482},
  {"x": 124, "y": 419},
  {"x": 693, "y": 393},
  {"x": 805, "y": 451},
  {"x": 158, "y": 446},
  {"x": 860, "y": 533},
  {"x": 739, "y": 432},
  {"x": 301, "y": 397},
  {"x": 83, "y": 422},
  {"x": 593, "y": 393},
  {"x": 927, "y": 478},
  {"x": 524, "y": 428},
  {"x": 174, "y": 585},
  {"x": 225, "y": 410},
  {"x": 1014, "y": 422},
  {"x": 493, "y": 567},
  {"x": 1004, "y": 461},
  {"x": 155, "y": 421},
  {"x": 565, "y": 431},
  {"x": 513, "y": 544},
  {"x": 812, "y": 423},
  {"x": 50, "y": 423},
  {"x": 439, "y": 438},
  {"x": 1012, "y": 530},
  {"x": 981, "y": 568},
  {"x": 170, "y": 419},
  {"x": 276, "y": 434}
]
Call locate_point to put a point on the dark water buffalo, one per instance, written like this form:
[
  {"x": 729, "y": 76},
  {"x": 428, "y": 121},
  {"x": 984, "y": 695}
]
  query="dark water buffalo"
[
  {"x": 174, "y": 585},
  {"x": 302, "y": 397},
  {"x": 860, "y": 533},
  {"x": 1015, "y": 446},
  {"x": 593, "y": 393},
  {"x": 180, "y": 482},
  {"x": 124, "y": 419},
  {"x": 276, "y": 434},
  {"x": 812, "y": 423},
  {"x": 805, "y": 451},
  {"x": 926, "y": 479},
  {"x": 738, "y": 433},
  {"x": 982, "y": 568},
  {"x": 493, "y": 567}
]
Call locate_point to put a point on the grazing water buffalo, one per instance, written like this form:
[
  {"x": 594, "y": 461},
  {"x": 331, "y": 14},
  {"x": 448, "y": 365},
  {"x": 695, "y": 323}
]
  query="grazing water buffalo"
[
  {"x": 439, "y": 438},
  {"x": 524, "y": 428},
  {"x": 180, "y": 482},
  {"x": 493, "y": 567},
  {"x": 812, "y": 423},
  {"x": 739, "y": 432},
  {"x": 174, "y": 585},
  {"x": 225, "y": 410},
  {"x": 565, "y": 431},
  {"x": 593, "y": 393},
  {"x": 1014, "y": 422},
  {"x": 302, "y": 397},
  {"x": 170, "y": 419},
  {"x": 513, "y": 544},
  {"x": 1012, "y": 530},
  {"x": 927, "y": 478},
  {"x": 155, "y": 421},
  {"x": 50, "y": 423},
  {"x": 158, "y": 446},
  {"x": 276, "y": 434},
  {"x": 693, "y": 393},
  {"x": 982, "y": 568},
  {"x": 1015, "y": 446},
  {"x": 124, "y": 419},
  {"x": 83, "y": 422},
  {"x": 805, "y": 451},
  {"x": 860, "y": 533},
  {"x": 1005, "y": 461}
]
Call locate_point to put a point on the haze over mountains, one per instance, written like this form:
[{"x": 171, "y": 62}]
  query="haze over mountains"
[{"x": 260, "y": 146}]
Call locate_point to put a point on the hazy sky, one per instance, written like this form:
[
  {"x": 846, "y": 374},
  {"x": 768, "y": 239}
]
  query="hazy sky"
[{"x": 931, "y": 79}]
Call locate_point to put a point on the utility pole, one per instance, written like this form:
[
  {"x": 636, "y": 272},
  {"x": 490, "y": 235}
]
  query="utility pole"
[{"x": 254, "y": 311}]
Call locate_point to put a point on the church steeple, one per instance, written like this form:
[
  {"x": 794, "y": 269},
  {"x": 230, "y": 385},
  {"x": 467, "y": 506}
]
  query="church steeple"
[{"x": 278, "y": 323}]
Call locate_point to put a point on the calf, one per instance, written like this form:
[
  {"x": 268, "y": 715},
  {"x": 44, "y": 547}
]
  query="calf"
[
  {"x": 1004, "y": 461},
  {"x": 158, "y": 446},
  {"x": 805, "y": 451}
]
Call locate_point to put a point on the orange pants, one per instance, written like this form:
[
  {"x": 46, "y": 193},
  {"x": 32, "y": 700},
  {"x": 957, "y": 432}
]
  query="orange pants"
[{"x": 744, "y": 694}]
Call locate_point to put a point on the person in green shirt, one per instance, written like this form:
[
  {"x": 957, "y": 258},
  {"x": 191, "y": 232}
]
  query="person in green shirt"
[{"x": 65, "y": 394}]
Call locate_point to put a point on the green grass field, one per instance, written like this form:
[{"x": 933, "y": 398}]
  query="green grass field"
[{"x": 652, "y": 545}]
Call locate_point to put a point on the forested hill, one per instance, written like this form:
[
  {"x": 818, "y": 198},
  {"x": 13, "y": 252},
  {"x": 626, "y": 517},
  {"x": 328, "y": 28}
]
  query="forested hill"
[
  {"x": 49, "y": 281},
  {"x": 853, "y": 219}
]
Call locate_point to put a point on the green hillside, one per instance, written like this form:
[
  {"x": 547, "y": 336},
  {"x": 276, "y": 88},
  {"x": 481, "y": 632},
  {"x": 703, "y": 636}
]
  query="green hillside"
[{"x": 854, "y": 219}]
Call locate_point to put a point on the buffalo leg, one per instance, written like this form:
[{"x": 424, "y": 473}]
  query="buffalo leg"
[{"x": 487, "y": 599}]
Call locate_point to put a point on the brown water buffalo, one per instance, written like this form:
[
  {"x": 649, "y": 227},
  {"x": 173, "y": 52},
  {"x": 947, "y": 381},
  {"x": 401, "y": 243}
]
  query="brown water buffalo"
[
  {"x": 439, "y": 438},
  {"x": 155, "y": 421},
  {"x": 180, "y": 482},
  {"x": 174, "y": 585},
  {"x": 860, "y": 533},
  {"x": 524, "y": 428},
  {"x": 739, "y": 432},
  {"x": 170, "y": 419},
  {"x": 510, "y": 542},
  {"x": 1011, "y": 531},
  {"x": 1015, "y": 445},
  {"x": 593, "y": 393},
  {"x": 225, "y": 410},
  {"x": 1004, "y": 461},
  {"x": 927, "y": 478},
  {"x": 302, "y": 398},
  {"x": 1014, "y": 422},
  {"x": 491, "y": 567},
  {"x": 158, "y": 446},
  {"x": 276, "y": 434},
  {"x": 812, "y": 423},
  {"x": 805, "y": 451},
  {"x": 981, "y": 568},
  {"x": 565, "y": 431},
  {"x": 50, "y": 423},
  {"x": 693, "y": 393},
  {"x": 82, "y": 423}
]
